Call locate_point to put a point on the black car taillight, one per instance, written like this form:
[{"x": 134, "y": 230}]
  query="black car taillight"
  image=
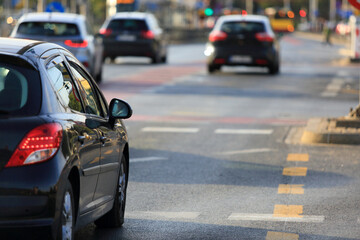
[
  {"x": 76, "y": 44},
  {"x": 148, "y": 34},
  {"x": 106, "y": 32},
  {"x": 39, "y": 145},
  {"x": 264, "y": 37},
  {"x": 216, "y": 36}
]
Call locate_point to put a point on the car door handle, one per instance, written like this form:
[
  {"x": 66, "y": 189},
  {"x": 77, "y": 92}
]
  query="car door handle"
[
  {"x": 103, "y": 139},
  {"x": 82, "y": 138}
]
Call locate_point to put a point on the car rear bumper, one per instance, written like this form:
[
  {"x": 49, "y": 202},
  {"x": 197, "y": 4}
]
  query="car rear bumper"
[
  {"x": 241, "y": 56},
  {"x": 28, "y": 195},
  {"x": 143, "y": 48}
]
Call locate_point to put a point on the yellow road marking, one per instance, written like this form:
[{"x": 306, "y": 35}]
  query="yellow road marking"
[
  {"x": 295, "y": 171},
  {"x": 292, "y": 211},
  {"x": 281, "y": 236},
  {"x": 295, "y": 157},
  {"x": 291, "y": 189}
]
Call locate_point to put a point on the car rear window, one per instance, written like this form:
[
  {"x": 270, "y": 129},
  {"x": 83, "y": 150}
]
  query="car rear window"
[
  {"x": 242, "y": 27},
  {"x": 128, "y": 25},
  {"x": 20, "y": 91},
  {"x": 48, "y": 29}
]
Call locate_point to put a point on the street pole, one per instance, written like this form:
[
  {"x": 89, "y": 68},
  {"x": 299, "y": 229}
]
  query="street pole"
[
  {"x": 332, "y": 14},
  {"x": 287, "y": 4},
  {"x": 313, "y": 6},
  {"x": 40, "y": 6},
  {"x": 249, "y": 6}
]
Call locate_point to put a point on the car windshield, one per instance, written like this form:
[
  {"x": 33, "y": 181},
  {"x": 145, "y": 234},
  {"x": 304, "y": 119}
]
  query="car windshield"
[
  {"x": 19, "y": 90},
  {"x": 242, "y": 27},
  {"x": 48, "y": 29},
  {"x": 128, "y": 25}
]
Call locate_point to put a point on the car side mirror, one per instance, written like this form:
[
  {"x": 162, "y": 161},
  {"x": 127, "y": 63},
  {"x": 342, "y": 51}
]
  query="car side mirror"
[{"x": 119, "y": 109}]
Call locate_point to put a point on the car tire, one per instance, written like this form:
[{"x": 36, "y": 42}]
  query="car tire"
[
  {"x": 212, "y": 68},
  {"x": 115, "y": 217},
  {"x": 67, "y": 214},
  {"x": 156, "y": 59},
  {"x": 274, "y": 69},
  {"x": 164, "y": 59}
]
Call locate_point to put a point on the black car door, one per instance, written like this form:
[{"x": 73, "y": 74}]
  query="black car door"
[
  {"x": 109, "y": 137},
  {"x": 85, "y": 139}
]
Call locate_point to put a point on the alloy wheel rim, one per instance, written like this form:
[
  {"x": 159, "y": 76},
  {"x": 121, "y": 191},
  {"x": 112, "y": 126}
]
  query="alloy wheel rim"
[{"x": 67, "y": 217}]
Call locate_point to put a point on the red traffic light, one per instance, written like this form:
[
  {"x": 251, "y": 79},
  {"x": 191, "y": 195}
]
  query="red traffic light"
[{"x": 302, "y": 13}]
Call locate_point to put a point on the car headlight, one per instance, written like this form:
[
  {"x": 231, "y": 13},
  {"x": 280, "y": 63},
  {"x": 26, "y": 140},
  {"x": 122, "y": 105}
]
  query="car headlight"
[{"x": 209, "y": 49}]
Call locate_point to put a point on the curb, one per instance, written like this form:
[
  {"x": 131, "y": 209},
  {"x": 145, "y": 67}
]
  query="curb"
[
  {"x": 344, "y": 41},
  {"x": 332, "y": 131}
]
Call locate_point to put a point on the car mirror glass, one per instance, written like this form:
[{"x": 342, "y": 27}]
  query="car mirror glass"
[{"x": 120, "y": 109}]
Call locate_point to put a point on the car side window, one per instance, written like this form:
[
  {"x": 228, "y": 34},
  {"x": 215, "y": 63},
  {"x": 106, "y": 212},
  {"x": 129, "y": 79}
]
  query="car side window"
[
  {"x": 63, "y": 85},
  {"x": 87, "y": 91}
]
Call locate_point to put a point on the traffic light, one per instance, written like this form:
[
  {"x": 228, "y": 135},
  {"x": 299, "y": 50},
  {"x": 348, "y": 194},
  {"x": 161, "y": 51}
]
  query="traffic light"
[
  {"x": 208, "y": 12},
  {"x": 302, "y": 13}
]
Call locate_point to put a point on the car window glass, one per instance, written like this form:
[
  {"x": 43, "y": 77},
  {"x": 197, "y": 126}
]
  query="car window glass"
[
  {"x": 13, "y": 89},
  {"x": 63, "y": 85},
  {"x": 128, "y": 25},
  {"x": 87, "y": 91},
  {"x": 48, "y": 29},
  {"x": 103, "y": 104},
  {"x": 242, "y": 27}
]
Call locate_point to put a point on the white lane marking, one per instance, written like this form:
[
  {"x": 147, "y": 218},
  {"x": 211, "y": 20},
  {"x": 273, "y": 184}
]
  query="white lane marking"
[
  {"x": 245, "y": 131},
  {"x": 271, "y": 218},
  {"x": 247, "y": 151},
  {"x": 147, "y": 159},
  {"x": 335, "y": 86},
  {"x": 170, "y": 130},
  {"x": 162, "y": 215}
]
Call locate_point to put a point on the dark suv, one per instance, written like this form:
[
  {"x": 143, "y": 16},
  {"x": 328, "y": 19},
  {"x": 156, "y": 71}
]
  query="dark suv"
[
  {"x": 134, "y": 34},
  {"x": 242, "y": 40}
]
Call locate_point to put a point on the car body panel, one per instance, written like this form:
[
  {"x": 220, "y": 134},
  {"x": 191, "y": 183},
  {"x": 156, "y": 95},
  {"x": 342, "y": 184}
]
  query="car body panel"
[
  {"x": 90, "y": 55},
  {"x": 31, "y": 195},
  {"x": 242, "y": 46},
  {"x": 126, "y": 37}
]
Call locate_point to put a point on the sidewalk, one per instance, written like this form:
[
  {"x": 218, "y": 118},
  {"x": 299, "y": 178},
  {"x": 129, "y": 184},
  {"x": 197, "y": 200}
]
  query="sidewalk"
[
  {"x": 336, "y": 39},
  {"x": 332, "y": 131},
  {"x": 342, "y": 130}
]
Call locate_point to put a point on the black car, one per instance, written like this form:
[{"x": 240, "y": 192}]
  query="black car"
[
  {"x": 64, "y": 153},
  {"x": 242, "y": 40},
  {"x": 134, "y": 34}
]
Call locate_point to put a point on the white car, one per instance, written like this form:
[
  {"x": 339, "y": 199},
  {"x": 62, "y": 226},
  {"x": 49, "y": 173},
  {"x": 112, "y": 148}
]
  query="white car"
[{"x": 67, "y": 30}]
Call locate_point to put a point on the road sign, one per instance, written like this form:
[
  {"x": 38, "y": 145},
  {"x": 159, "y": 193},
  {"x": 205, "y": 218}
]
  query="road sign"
[
  {"x": 55, "y": 7},
  {"x": 355, "y": 3}
]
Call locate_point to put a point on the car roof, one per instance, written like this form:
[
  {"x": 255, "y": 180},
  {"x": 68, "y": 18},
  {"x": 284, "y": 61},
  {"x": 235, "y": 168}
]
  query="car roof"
[
  {"x": 244, "y": 18},
  {"x": 55, "y": 17},
  {"x": 16, "y": 45},
  {"x": 132, "y": 15}
]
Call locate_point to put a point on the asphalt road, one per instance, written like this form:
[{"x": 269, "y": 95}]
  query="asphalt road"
[{"x": 217, "y": 156}]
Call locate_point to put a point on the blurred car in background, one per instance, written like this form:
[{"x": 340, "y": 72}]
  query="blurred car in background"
[
  {"x": 134, "y": 34},
  {"x": 67, "y": 30},
  {"x": 242, "y": 40},
  {"x": 64, "y": 152}
]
